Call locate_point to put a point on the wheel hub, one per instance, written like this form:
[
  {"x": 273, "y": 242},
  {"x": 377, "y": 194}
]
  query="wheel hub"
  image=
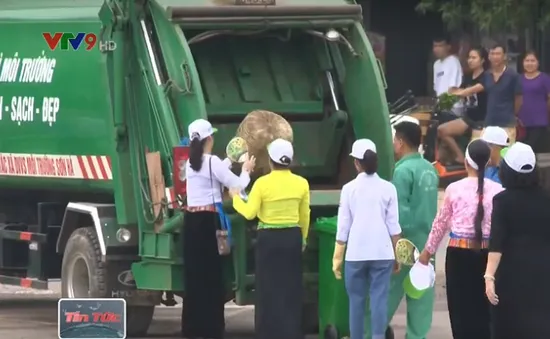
[{"x": 78, "y": 282}]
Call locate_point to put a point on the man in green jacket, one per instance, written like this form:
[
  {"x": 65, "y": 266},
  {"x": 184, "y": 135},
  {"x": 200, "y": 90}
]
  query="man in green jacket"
[{"x": 417, "y": 184}]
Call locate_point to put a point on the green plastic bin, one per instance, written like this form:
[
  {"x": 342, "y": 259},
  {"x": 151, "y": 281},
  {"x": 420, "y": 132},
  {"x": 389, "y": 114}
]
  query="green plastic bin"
[{"x": 333, "y": 299}]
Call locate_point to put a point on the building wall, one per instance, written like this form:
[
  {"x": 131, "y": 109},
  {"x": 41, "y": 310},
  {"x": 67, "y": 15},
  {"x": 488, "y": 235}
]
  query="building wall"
[{"x": 408, "y": 40}]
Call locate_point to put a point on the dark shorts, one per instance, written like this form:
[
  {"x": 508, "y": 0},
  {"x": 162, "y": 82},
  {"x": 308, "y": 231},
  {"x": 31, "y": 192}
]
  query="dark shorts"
[{"x": 472, "y": 124}]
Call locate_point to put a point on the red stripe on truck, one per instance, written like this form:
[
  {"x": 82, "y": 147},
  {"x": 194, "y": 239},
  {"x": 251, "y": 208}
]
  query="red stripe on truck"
[
  {"x": 83, "y": 168},
  {"x": 25, "y": 236},
  {"x": 92, "y": 167},
  {"x": 88, "y": 167},
  {"x": 101, "y": 168}
]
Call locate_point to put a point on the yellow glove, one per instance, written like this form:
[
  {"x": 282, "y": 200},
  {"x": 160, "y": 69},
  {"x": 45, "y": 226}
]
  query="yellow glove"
[{"x": 338, "y": 259}]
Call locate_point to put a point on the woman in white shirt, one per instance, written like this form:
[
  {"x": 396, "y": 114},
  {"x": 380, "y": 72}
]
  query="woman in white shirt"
[
  {"x": 203, "y": 305},
  {"x": 368, "y": 225}
]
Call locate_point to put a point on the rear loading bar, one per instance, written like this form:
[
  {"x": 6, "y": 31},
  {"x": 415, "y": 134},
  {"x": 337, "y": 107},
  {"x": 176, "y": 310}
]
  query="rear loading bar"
[
  {"x": 24, "y": 282},
  {"x": 35, "y": 240},
  {"x": 41, "y": 249},
  {"x": 189, "y": 15}
]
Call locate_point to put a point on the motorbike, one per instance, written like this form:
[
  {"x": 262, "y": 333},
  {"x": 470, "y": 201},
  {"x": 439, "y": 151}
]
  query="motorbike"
[{"x": 448, "y": 170}]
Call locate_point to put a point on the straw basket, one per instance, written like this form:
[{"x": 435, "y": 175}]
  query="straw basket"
[{"x": 259, "y": 128}]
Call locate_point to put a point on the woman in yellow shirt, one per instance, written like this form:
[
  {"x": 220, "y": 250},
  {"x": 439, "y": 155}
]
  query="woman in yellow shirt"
[{"x": 280, "y": 200}]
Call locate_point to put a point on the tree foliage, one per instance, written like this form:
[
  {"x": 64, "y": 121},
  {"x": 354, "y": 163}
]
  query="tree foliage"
[{"x": 490, "y": 15}]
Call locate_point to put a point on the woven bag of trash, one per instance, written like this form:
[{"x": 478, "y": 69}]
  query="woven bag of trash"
[{"x": 259, "y": 128}]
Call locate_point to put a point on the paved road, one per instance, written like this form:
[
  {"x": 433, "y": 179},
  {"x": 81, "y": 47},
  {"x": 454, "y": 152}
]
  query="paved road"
[
  {"x": 30, "y": 314},
  {"x": 34, "y": 316}
]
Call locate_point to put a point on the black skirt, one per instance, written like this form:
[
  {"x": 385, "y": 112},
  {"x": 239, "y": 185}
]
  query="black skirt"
[
  {"x": 278, "y": 313},
  {"x": 522, "y": 285},
  {"x": 537, "y": 138},
  {"x": 469, "y": 309},
  {"x": 203, "y": 304}
]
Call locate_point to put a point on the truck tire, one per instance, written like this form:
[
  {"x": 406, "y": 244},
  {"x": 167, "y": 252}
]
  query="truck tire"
[{"x": 83, "y": 275}]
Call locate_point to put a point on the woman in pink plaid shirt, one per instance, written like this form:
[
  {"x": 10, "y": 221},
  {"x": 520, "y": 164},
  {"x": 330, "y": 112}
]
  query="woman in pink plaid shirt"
[{"x": 466, "y": 215}]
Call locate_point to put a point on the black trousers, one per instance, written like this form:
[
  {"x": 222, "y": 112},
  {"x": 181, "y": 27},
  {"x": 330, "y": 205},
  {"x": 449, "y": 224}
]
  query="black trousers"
[
  {"x": 537, "y": 138},
  {"x": 203, "y": 305},
  {"x": 469, "y": 309},
  {"x": 278, "y": 313}
]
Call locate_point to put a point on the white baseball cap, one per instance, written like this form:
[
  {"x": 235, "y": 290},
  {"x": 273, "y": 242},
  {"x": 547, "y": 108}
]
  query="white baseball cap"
[
  {"x": 281, "y": 151},
  {"x": 200, "y": 129},
  {"x": 360, "y": 146},
  {"x": 495, "y": 135},
  {"x": 520, "y": 158}
]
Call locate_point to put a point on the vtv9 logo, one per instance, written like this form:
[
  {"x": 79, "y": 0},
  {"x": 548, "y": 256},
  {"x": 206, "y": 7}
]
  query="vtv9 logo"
[{"x": 75, "y": 41}]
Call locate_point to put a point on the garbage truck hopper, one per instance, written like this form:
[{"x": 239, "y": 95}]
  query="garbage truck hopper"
[{"x": 312, "y": 64}]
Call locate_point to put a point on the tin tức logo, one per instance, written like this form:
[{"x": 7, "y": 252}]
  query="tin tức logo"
[{"x": 91, "y": 318}]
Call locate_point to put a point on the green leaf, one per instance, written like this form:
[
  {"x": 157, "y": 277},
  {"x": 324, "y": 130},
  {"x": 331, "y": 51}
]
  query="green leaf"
[
  {"x": 425, "y": 6},
  {"x": 490, "y": 15}
]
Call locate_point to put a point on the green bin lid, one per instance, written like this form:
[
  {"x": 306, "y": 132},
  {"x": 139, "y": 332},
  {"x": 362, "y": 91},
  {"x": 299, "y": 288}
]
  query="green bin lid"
[{"x": 326, "y": 225}]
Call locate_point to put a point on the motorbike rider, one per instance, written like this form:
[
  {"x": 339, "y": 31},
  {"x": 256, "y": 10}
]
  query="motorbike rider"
[{"x": 476, "y": 106}]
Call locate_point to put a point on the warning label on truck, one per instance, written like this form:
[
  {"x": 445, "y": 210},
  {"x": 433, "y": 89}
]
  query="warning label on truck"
[{"x": 88, "y": 167}]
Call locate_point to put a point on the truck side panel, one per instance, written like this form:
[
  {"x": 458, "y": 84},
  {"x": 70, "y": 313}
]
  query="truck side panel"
[{"x": 55, "y": 114}]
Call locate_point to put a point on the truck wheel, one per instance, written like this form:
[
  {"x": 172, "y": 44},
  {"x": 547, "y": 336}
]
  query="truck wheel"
[
  {"x": 83, "y": 275},
  {"x": 83, "y": 272}
]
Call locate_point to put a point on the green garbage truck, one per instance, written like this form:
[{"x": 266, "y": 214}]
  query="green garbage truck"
[{"x": 95, "y": 97}]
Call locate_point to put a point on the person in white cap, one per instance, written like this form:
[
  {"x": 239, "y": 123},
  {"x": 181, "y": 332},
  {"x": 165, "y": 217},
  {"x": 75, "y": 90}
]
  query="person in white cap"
[
  {"x": 368, "y": 229},
  {"x": 206, "y": 174},
  {"x": 465, "y": 215},
  {"x": 517, "y": 276},
  {"x": 497, "y": 138},
  {"x": 280, "y": 200}
]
